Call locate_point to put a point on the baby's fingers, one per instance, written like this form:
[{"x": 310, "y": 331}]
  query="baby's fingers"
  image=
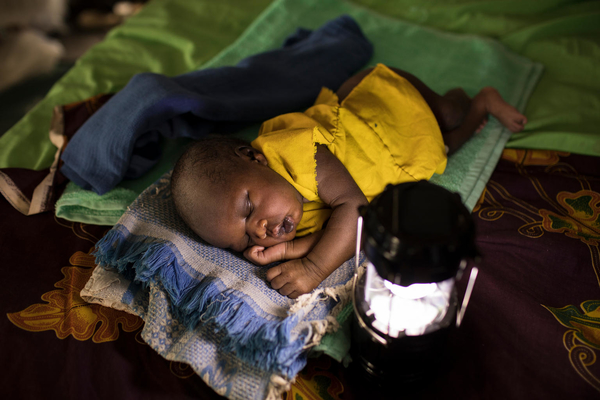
[
  {"x": 273, "y": 273},
  {"x": 287, "y": 289},
  {"x": 255, "y": 254}
]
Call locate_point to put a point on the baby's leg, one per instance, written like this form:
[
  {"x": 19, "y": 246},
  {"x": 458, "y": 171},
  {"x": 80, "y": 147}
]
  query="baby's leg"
[
  {"x": 458, "y": 116},
  {"x": 449, "y": 109},
  {"x": 487, "y": 101}
]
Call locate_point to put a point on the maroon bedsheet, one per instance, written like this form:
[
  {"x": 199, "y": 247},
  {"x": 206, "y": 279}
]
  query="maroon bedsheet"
[{"x": 532, "y": 329}]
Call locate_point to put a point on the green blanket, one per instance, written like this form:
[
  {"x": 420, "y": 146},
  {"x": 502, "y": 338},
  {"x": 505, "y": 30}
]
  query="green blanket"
[
  {"x": 562, "y": 35},
  {"x": 437, "y": 58},
  {"x": 175, "y": 36},
  {"x": 564, "y": 109}
]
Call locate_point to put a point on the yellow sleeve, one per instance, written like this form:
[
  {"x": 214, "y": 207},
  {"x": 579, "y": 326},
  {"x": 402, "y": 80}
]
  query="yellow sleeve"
[{"x": 287, "y": 143}]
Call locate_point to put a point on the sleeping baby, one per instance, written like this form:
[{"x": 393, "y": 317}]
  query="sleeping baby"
[{"x": 293, "y": 194}]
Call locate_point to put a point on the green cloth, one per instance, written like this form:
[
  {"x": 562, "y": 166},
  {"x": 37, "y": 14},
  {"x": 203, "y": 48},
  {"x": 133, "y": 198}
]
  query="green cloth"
[
  {"x": 563, "y": 35},
  {"x": 437, "y": 58},
  {"x": 76, "y": 204},
  {"x": 563, "y": 111}
]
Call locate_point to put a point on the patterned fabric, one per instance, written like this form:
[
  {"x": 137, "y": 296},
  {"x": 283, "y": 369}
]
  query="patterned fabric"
[
  {"x": 208, "y": 307},
  {"x": 531, "y": 329},
  {"x": 56, "y": 345},
  {"x": 545, "y": 207}
]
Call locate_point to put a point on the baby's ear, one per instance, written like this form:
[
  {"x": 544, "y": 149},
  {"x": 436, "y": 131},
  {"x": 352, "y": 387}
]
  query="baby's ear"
[{"x": 251, "y": 154}]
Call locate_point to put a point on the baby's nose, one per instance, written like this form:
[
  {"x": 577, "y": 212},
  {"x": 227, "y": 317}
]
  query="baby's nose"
[{"x": 261, "y": 229}]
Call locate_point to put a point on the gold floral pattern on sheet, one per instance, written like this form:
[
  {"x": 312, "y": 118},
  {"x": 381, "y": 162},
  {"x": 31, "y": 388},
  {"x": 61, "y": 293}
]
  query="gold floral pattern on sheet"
[
  {"x": 585, "y": 325},
  {"x": 533, "y": 157},
  {"x": 582, "y": 337},
  {"x": 316, "y": 382},
  {"x": 66, "y": 313},
  {"x": 583, "y": 219},
  {"x": 181, "y": 370},
  {"x": 574, "y": 214}
]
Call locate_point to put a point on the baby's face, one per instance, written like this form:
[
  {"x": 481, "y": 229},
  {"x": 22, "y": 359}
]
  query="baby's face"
[{"x": 257, "y": 207}]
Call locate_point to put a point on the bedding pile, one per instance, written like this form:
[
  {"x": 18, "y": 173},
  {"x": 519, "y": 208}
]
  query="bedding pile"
[
  {"x": 532, "y": 325},
  {"x": 437, "y": 58},
  {"x": 123, "y": 138},
  {"x": 210, "y": 308}
]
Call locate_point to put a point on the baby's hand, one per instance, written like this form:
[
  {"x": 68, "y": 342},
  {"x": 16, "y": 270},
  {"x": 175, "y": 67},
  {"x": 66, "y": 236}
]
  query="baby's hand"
[
  {"x": 260, "y": 255},
  {"x": 295, "y": 277}
]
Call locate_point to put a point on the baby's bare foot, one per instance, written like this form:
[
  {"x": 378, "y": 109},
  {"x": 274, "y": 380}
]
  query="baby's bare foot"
[{"x": 508, "y": 116}]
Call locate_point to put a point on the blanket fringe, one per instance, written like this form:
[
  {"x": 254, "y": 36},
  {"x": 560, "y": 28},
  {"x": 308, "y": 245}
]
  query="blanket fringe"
[
  {"x": 343, "y": 294},
  {"x": 203, "y": 300},
  {"x": 277, "y": 387}
]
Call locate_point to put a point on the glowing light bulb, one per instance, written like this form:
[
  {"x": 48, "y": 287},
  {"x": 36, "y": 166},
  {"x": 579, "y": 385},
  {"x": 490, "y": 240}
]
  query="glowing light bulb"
[
  {"x": 410, "y": 310},
  {"x": 414, "y": 291}
]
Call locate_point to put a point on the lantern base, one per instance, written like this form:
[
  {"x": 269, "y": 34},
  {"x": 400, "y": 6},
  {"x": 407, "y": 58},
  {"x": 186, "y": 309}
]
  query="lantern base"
[{"x": 406, "y": 360}]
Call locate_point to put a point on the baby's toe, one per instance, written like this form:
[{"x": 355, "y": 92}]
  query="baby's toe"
[{"x": 516, "y": 127}]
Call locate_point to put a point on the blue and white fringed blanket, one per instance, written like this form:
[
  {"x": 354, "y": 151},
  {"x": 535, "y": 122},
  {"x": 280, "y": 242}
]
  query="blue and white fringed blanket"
[{"x": 208, "y": 307}]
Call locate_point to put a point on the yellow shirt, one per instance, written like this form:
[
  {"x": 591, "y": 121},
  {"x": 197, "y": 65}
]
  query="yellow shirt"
[{"x": 383, "y": 132}]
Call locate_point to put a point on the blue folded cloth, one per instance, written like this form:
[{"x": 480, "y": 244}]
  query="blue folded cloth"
[{"x": 122, "y": 139}]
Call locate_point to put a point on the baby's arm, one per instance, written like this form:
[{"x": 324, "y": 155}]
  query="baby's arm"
[{"x": 337, "y": 243}]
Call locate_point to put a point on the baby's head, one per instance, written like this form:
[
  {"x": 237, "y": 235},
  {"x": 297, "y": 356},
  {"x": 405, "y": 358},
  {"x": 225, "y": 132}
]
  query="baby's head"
[{"x": 225, "y": 191}]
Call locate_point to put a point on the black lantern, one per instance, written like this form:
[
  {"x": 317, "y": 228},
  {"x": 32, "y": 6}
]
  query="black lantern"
[{"x": 417, "y": 238}]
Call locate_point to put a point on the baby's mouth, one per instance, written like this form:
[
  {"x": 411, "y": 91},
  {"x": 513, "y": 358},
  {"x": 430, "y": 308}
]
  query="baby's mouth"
[{"x": 286, "y": 226}]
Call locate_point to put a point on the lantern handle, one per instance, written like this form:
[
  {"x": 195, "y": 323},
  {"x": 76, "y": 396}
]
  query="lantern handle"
[
  {"x": 465, "y": 303},
  {"x": 359, "y": 224}
]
